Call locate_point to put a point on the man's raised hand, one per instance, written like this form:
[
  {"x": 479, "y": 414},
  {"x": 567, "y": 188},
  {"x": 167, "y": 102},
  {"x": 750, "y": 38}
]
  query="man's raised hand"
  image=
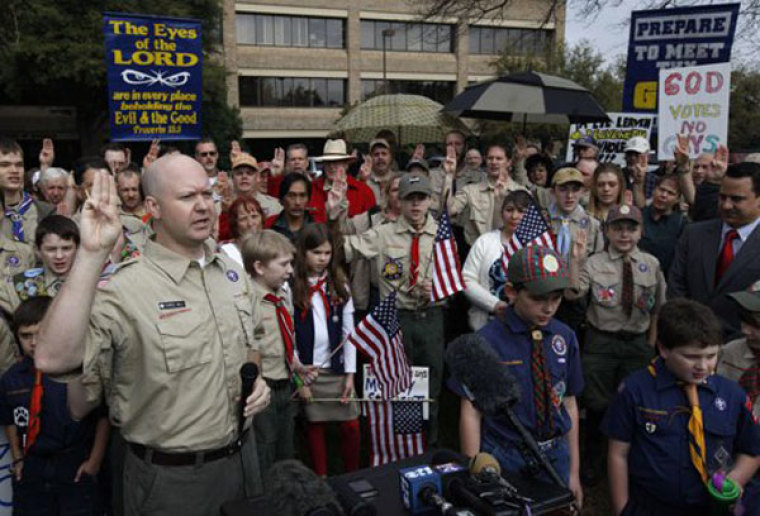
[
  {"x": 100, "y": 224},
  {"x": 47, "y": 154},
  {"x": 450, "y": 163}
]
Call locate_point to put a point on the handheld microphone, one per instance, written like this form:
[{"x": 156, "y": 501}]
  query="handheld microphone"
[
  {"x": 248, "y": 374},
  {"x": 486, "y": 468},
  {"x": 492, "y": 389}
]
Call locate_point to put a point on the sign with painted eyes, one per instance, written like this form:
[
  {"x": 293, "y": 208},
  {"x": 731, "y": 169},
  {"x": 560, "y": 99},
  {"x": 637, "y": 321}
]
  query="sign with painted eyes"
[{"x": 154, "y": 68}]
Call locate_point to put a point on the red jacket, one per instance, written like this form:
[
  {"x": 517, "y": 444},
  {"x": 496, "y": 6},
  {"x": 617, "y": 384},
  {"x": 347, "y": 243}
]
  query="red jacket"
[{"x": 360, "y": 198}]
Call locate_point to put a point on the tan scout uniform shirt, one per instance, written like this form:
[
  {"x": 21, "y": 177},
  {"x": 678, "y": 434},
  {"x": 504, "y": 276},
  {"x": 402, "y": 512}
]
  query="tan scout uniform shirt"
[
  {"x": 29, "y": 222},
  {"x": 266, "y": 332},
  {"x": 29, "y": 283},
  {"x": 165, "y": 345},
  {"x": 603, "y": 276},
  {"x": 390, "y": 245},
  {"x": 465, "y": 176},
  {"x": 15, "y": 257},
  {"x": 363, "y": 272},
  {"x": 377, "y": 185},
  {"x": 484, "y": 206},
  {"x": 579, "y": 220},
  {"x": 736, "y": 357}
]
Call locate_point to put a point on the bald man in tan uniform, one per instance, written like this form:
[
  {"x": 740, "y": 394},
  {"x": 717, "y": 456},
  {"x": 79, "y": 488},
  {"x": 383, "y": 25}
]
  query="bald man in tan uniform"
[{"x": 162, "y": 340}]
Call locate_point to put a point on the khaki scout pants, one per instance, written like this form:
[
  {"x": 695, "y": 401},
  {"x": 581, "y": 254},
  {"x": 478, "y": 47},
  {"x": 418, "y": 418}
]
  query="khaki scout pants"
[
  {"x": 607, "y": 359},
  {"x": 150, "y": 489},
  {"x": 423, "y": 344}
]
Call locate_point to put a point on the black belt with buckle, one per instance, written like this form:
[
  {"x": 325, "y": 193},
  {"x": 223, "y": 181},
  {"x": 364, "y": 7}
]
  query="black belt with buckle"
[{"x": 183, "y": 459}]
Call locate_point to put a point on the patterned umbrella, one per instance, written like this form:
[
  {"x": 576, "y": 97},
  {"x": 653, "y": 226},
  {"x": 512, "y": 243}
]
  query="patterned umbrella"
[
  {"x": 528, "y": 97},
  {"x": 413, "y": 118}
]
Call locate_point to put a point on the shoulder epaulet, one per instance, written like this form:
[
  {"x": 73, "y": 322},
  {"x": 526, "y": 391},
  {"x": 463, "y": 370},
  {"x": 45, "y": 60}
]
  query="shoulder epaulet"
[{"x": 112, "y": 268}]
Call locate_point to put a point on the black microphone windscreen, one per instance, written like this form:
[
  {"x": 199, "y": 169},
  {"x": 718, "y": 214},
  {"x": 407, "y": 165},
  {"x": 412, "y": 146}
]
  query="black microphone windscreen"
[
  {"x": 475, "y": 365},
  {"x": 249, "y": 371},
  {"x": 292, "y": 489}
]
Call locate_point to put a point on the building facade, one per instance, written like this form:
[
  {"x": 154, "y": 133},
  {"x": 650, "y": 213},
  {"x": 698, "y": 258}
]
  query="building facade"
[{"x": 295, "y": 64}]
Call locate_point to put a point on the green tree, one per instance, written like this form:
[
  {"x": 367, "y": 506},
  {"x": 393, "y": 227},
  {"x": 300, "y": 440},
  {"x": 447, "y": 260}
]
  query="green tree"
[
  {"x": 744, "y": 110},
  {"x": 52, "y": 53}
]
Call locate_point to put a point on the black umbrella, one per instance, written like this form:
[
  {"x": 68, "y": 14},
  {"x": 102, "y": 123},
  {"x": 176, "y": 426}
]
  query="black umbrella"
[{"x": 528, "y": 97}]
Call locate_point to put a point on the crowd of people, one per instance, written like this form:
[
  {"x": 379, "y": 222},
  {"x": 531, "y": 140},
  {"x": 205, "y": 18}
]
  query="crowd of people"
[{"x": 133, "y": 293}]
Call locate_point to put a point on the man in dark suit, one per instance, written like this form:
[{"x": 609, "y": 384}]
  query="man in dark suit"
[{"x": 720, "y": 256}]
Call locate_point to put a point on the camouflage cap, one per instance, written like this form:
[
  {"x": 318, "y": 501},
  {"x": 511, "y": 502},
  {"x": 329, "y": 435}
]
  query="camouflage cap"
[{"x": 539, "y": 269}]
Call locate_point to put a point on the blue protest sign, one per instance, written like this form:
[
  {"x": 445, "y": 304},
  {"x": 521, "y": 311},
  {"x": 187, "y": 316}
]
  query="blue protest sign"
[
  {"x": 155, "y": 82},
  {"x": 673, "y": 38}
]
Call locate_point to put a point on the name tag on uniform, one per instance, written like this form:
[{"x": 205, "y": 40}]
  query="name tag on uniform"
[{"x": 170, "y": 305}]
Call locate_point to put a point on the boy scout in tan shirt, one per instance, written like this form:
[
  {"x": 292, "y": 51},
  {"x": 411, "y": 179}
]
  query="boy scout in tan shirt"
[
  {"x": 402, "y": 253},
  {"x": 162, "y": 340},
  {"x": 268, "y": 258},
  {"x": 626, "y": 288},
  {"x": 483, "y": 199}
]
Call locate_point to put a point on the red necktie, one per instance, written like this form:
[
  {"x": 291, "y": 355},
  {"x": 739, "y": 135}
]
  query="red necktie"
[
  {"x": 285, "y": 322},
  {"x": 35, "y": 411},
  {"x": 317, "y": 289},
  {"x": 414, "y": 262},
  {"x": 726, "y": 254}
]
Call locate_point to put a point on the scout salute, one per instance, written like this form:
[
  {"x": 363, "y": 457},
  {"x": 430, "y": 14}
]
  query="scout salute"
[
  {"x": 627, "y": 289},
  {"x": 402, "y": 251},
  {"x": 483, "y": 199},
  {"x": 568, "y": 219},
  {"x": 543, "y": 355},
  {"x": 675, "y": 424},
  {"x": 163, "y": 340}
]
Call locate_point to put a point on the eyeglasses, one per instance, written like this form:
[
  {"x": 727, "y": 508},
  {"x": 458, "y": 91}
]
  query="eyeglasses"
[{"x": 206, "y": 154}]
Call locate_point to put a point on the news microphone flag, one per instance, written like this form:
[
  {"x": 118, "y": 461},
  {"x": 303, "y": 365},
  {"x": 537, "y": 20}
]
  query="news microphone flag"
[
  {"x": 447, "y": 273},
  {"x": 532, "y": 230},
  {"x": 395, "y": 430},
  {"x": 379, "y": 337}
]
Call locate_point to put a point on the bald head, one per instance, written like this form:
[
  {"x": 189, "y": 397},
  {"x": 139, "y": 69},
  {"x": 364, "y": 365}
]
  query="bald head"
[{"x": 165, "y": 170}]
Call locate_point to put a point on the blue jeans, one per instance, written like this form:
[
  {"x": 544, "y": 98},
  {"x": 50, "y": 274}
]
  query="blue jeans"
[{"x": 511, "y": 458}]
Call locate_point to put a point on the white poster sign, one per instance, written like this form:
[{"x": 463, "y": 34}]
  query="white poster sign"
[
  {"x": 418, "y": 390},
  {"x": 694, "y": 101},
  {"x": 612, "y": 135}
]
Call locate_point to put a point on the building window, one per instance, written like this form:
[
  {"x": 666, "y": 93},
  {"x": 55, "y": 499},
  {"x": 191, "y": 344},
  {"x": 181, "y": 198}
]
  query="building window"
[
  {"x": 291, "y": 92},
  {"x": 440, "y": 91},
  {"x": 290, "y": 31},
  {"x": 495, "y": 40},
  {"x": 408, "y": 36}
]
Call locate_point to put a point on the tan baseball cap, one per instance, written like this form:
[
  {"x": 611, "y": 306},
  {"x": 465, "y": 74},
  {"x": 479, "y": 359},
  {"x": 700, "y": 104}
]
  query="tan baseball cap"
[
  {"x": 567, "y": 175},
  {"x": 245, "y": 159}
]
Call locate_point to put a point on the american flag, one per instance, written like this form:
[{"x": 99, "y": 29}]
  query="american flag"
[
  {"x": 379, "y": 337},
  {"x": 532, "y": 230},
  {"x": 395, "y": 430},
  {"x": 447, "y": 273}
]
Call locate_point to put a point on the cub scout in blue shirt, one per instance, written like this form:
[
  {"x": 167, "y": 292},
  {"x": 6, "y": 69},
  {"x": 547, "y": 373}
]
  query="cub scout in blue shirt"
[
  {"x": 658, "y": 461},
  {"x": 537, "y": 277}
]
